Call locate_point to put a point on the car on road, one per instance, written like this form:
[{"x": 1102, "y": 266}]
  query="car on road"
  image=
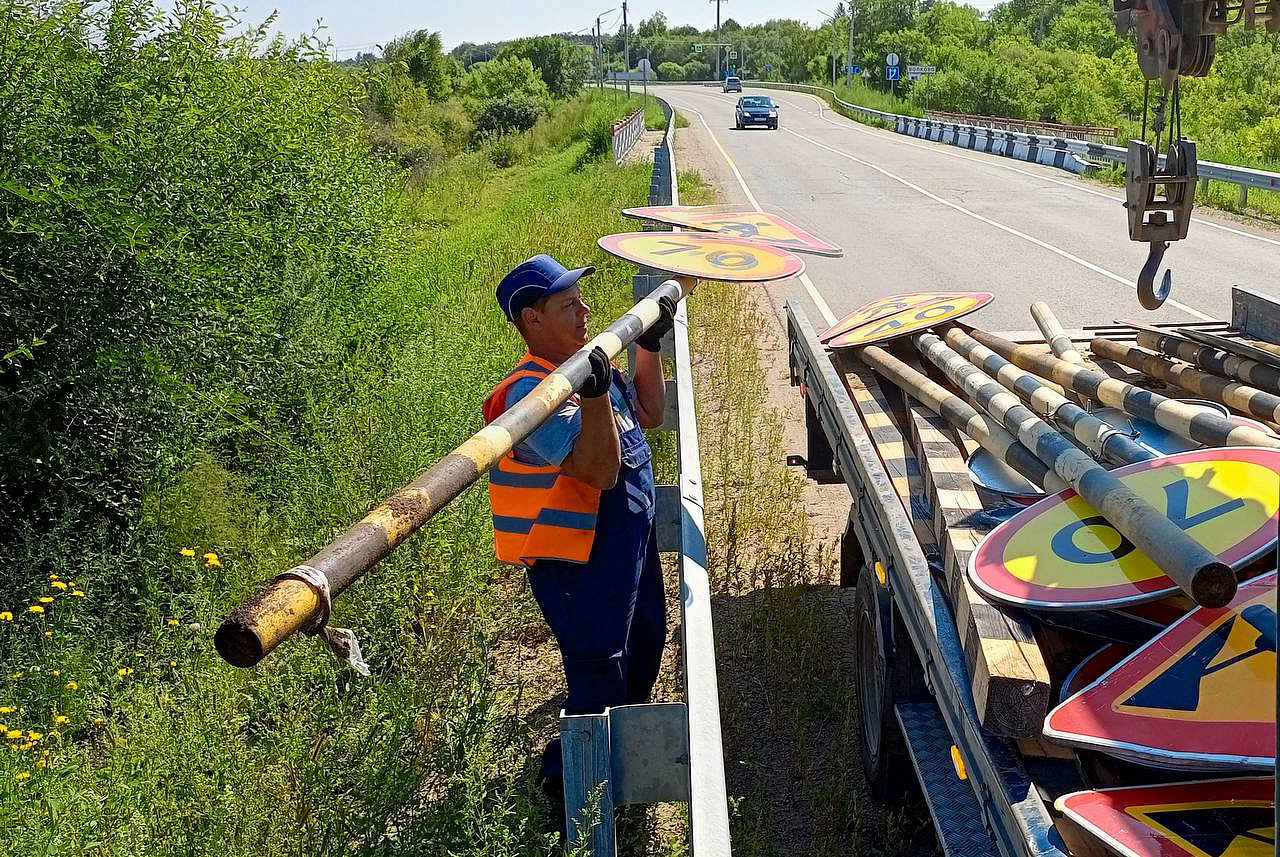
[
  {"x": 732, "y": 84},
  {"x": 756, "y": 110}
]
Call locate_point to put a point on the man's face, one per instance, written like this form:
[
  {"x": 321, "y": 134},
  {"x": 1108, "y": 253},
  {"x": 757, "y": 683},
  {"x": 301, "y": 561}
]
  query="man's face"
[{"x": 562, "y": 323}]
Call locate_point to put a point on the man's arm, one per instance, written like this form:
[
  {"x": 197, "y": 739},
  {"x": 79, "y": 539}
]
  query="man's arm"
[
  {"x": 651, "y": 388},
  {"x": 596, "y": 455}
]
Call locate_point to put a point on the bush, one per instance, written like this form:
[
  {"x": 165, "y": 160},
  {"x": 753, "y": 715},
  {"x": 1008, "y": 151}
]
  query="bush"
[
  {"x": 190, "y": 214},
  {"x": 670, "y": 71},
  {"x": 508, "y": 114},
  {"x": 502, "y": 78}
]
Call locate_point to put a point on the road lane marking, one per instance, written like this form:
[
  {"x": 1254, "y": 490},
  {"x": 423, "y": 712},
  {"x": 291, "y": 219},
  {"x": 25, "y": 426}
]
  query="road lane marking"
[
  {"x": 944, "y": 149},
  {"x": 818, "y": 301},
  {"x": 1002, "y": 227}
]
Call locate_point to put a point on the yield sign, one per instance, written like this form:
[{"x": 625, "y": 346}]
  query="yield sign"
[
  {"x": 1202, "y": 694},
  {"x": 1061, "y": 553},
  {"x": 703, "y": 255},
  {"x": 1208, "y": 818},
  {"x": 764, "y": 227}
]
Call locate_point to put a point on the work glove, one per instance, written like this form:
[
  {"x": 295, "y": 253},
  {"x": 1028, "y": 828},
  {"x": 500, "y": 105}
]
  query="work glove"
[
  {"x": 601, "y": 377},
  {"x": 651, "y": 339}
]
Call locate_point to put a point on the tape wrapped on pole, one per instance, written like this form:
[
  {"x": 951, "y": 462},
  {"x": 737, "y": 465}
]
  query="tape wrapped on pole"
[
  {"x": 1188, "y": 421},
  {"x": 291, "y": 603},
  {"x": 1196, "y": 570}
]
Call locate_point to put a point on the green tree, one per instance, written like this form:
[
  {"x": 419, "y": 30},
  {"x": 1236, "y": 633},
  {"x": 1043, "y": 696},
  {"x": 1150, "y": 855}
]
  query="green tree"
[
  {"x": 670, "y": 71},
  {"x": 424, "y": 61},
  {"x": 561, "y": 64},
  {"x": 1084, "y": 26},
  {"x": 505, "y": 76}
]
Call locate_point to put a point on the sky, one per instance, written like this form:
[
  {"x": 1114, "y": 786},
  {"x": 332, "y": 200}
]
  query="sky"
[{"x": 354, "y": 27}]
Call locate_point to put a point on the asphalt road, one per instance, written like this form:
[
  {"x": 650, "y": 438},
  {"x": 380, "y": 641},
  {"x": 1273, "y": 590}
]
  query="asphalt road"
[{"x": 914, "y": 215}]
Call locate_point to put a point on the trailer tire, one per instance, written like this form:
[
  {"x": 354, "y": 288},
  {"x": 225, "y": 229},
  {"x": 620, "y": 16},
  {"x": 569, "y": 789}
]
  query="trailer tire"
[{"x": 885, "y": 760}]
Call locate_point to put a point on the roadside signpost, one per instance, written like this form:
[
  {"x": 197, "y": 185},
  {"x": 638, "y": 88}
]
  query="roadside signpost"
[
  {"x": 892, "y": 72},
  {"x": 915, "y": 72},
  {"x": 1062, "y": 554},
  {"x": 763, "y": 227},
  {"x": 1200, "y": 695},
  {"x": 705, "y": 256}
]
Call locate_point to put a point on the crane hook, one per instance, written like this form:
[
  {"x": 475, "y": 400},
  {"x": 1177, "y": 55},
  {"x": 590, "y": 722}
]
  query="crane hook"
[{"x": 1148, "y": 295}]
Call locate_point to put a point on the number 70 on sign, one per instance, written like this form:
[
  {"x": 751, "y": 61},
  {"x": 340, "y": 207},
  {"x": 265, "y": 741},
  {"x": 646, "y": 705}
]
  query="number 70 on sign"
[{"x": 705, "y": 256}]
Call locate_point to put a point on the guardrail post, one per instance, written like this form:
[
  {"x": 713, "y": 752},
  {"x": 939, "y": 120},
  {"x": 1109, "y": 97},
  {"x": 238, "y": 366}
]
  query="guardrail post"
[
  {"x": 1244, "y": 195},
  {"x": 588, "y": 792},
  {"x": 1204, "y": 185}
]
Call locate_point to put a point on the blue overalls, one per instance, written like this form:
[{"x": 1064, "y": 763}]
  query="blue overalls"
[{"x": 609, "y": 614}]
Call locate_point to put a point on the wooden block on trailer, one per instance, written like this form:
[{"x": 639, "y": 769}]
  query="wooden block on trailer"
[{"x": 1008, "y": 674}]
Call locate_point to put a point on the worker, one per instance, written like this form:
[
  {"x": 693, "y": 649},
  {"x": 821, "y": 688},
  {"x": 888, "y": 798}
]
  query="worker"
[{"x": 574, "y": 502}]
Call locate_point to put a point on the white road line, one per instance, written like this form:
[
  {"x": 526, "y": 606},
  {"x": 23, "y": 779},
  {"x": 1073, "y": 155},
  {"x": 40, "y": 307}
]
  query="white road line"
[
  {"x": 804, "y": 278},
  {"x": 945, "y": 149},
  {"x": 1009, "y": 229}
]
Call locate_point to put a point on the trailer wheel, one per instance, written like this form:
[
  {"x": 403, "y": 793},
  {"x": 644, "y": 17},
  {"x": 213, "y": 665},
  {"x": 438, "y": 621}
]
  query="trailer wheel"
[{"x": 885, "y": 760}]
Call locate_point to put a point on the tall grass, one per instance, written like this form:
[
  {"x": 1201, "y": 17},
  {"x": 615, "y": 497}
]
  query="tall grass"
[{"x": 309, "y": 335}]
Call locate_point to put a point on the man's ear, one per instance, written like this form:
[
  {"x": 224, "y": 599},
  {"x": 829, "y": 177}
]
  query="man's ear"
[{"x": 528, "y": 316}]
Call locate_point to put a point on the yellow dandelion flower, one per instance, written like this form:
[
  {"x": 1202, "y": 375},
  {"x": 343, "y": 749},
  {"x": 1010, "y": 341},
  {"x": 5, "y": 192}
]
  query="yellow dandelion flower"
[
  {"x": 35, "y": 608},
  {"x": 45, "y": 599},
  {"x": 124, "y": 671},
  {"x": 22, "y": 775},
  {"x": 212, "y": 559},
  {"x": 187, "y": 552},
  {"x": 53, "y": 577},
  {"x": 71, "y": 685},
  {"x": 42, "y": 762},
  {"x": 173, "y": 663},
  {"x": 13, "y": 733},
  {"x": 173, "y": 622},
  {"x": 34, "y": 735},
  {"x": 99, "y": 720},
  {"x": 71, "y": 583},
  {"x": 58, "y": 584},
  {"x": 55, "y": 673},
  {"x": 78, "y": 594},
  {"x": 15, "y": 675},
  {"x": 6, "y": 616},
  {"x": 7, "y": 709},
  {"x": 62, "y": 718},
  {"x": 48, "y": 633},
  {"x": 54, "y": 733}
]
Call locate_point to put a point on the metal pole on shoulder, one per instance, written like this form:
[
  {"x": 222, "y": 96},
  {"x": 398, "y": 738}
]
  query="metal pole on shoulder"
[
  {"x": 1183, "y": 419},
  {"x": 300, "y": 598},
  {"x": 1196, "y": 570}
]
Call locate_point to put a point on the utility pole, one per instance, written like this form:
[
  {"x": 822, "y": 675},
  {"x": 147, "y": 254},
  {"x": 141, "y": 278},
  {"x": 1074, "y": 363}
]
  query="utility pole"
[
  {"x": 626, "y": 47},
  {"x": 719, "y": 48},
  {"x": 599, "y": 62},
  {"x": 848, "y": 63},
  {"x": 833, "y": 51}
]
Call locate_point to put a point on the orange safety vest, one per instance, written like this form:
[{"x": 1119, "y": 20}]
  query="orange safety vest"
[{"x": 538, "y": 511}]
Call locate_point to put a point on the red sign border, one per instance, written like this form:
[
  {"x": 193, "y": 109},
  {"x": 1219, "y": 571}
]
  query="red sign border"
[
  {"x": 812, "y": 243},
  {"x": 1107, "y": 819},
  {"x": 984, "y": 298},
  {"x": 795, "y": 265},
  {"x": 1141, "y": 663},
  {"x": 1254, "y": 545}
]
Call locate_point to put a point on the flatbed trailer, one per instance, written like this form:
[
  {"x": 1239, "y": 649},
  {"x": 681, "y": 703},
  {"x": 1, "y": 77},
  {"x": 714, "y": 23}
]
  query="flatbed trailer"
[{"x": 946, "y": 678}]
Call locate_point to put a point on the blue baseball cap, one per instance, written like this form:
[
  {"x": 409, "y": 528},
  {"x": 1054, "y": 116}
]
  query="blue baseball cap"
[{"x": 535, "y": 278}]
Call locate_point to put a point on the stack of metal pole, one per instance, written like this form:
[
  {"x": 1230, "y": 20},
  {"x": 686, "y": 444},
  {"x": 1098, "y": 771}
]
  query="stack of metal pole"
[{"x": 1013, "y": 400}]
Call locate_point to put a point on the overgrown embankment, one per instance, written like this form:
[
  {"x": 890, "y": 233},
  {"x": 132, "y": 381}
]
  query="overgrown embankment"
[{"x": 229, "y": 326}]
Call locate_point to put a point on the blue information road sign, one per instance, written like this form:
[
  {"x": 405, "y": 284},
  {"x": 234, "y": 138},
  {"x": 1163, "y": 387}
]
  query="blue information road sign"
[
  {"x": 855, "y": 69},
  {"x": 892, "y": 72}
]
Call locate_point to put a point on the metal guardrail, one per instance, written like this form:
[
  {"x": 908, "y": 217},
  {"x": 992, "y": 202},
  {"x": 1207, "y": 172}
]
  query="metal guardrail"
[
  {"x": 1009, "y": 142},
  {"x": 662, "y": 751},
  {"x": 626, "y": 132},
  {"x": 1028, "y": 126}
]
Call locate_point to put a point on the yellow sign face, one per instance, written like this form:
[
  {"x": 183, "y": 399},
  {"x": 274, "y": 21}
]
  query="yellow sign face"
[
  {"x": 881, "y": 308},
  {"x": 912, "y": 319},
  {"x": 1062, "y": 553},
  {"x": 739, "y": 223},
  {"x": 705, "y": 256}
]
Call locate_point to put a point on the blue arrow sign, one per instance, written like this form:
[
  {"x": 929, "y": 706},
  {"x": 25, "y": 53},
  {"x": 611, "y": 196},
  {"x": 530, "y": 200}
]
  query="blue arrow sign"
[
  {"x": 856, "y": 69},
  {"x": 892, "y": 72}
]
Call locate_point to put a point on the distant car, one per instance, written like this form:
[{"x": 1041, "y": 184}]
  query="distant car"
[
  {"x": 732, "y": 84},
  {"x": 756, "y": 110}
]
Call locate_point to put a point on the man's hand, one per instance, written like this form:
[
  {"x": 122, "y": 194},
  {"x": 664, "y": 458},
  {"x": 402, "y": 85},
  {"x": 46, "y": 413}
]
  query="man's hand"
[
  {"x": 651, "y": 339},
  {"x": 601, "y": 377}
]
